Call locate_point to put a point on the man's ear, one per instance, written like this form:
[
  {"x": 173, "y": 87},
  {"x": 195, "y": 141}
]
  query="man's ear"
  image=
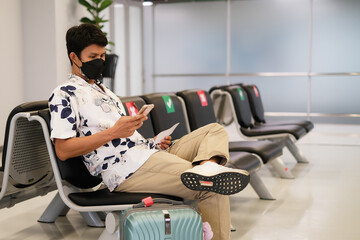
[{"x": 75, "y": 59}]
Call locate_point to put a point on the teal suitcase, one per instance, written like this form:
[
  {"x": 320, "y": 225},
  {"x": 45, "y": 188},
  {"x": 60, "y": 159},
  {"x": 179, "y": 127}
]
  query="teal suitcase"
[{"x": 161, "y": 222}]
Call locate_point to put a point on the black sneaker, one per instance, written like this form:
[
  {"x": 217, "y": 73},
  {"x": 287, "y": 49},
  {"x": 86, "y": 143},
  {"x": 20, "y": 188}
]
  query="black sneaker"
[{"x": 215, "y": 178}]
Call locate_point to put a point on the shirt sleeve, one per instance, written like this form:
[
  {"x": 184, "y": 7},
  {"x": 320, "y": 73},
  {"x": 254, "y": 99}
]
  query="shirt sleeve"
[{"x": 63, "y": 122}]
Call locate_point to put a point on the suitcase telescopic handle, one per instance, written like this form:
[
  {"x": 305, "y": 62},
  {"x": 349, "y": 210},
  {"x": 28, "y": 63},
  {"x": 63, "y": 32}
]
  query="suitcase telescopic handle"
[
  {"x": 168, "y": 201},
  {"x": 144, "y": 202}
]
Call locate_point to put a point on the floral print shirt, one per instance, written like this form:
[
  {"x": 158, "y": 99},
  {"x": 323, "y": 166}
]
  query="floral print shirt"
[{"x": 81, "y": 109}]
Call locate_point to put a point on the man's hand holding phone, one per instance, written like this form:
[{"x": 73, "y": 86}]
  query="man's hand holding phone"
[
  {"x": 126, "y": 125},
  {"x": 146, "y": 109}
]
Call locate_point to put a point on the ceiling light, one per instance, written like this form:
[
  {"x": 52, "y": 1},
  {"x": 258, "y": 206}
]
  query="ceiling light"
[{"x": 147, "y": 4}]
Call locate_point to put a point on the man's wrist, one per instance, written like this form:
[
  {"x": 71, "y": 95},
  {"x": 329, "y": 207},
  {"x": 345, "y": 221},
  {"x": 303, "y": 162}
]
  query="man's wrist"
[{"x": 110, "y": 134}]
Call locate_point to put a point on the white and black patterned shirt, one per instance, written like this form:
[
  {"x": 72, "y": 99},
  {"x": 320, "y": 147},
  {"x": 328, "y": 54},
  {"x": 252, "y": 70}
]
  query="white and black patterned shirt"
[{"x": 81, "y": 109}]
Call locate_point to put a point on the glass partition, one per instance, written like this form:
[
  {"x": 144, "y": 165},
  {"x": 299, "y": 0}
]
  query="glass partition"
[
  {"x": 336, "y": 36},
  {"x": 280, "y": 94},
  {"x": 174, "y": 84},
  {"x": 269, "y": 36},
  {"x": 335, "y": 94},
  {"x": 190, "y": 37},
  {"x": 291, "y": 49}
]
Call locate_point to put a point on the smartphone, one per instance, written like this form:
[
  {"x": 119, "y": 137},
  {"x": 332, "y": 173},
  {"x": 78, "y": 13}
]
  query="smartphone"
[{"x": 146, "y": 109}]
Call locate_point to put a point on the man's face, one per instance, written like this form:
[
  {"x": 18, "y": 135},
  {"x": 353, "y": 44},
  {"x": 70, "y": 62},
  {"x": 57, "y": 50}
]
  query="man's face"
[{"x": 92, "y": 52}]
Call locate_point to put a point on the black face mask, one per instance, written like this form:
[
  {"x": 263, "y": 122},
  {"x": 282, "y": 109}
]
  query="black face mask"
[{"x": 93, "y": 69}]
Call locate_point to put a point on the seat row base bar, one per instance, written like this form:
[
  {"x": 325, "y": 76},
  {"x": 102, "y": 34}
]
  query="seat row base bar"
[{"x": 58, "y": 208}]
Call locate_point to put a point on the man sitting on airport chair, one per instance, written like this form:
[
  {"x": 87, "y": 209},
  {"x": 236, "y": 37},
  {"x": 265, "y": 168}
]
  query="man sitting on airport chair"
[{"x": 88, "y": 120}]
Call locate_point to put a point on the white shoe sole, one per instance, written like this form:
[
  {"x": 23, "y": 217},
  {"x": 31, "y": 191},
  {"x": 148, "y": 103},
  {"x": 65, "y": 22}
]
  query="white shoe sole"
[{"x": 225, "y": 183}]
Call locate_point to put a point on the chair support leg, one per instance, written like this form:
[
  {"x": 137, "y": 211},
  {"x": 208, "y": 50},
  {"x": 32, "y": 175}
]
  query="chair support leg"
[
  {"x": 92, "y": 219},
  {"x": 102, "y": 215},
  {"x": 105, "y": 235},
  {"x": 112, "y": 228},
  {"x": 295, "y": 151},
  {"x": 259, "y": 187},
  {"x": 280, "y": 168},
  {"x": 65, "y": 211},
  {"x": 55, "y": 209}
]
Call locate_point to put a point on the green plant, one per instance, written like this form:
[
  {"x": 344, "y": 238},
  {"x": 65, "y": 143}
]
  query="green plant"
[{"x": 95, "y": 7}]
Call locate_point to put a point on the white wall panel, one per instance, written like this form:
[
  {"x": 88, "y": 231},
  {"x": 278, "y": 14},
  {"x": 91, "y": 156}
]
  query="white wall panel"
[
  {"x": 39, "y": 48},
  {"x": 67, "y": 14},
  {"x": 136, "y": 58},
  {"x": 11, "y": 63}
]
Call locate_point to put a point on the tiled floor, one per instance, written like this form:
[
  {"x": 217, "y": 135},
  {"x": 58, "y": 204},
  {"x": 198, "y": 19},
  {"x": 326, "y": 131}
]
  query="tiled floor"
[{"x": 322, "y": 202}]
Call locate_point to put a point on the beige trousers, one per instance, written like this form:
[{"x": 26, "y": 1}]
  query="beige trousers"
[{"x": 161, "y": 174}]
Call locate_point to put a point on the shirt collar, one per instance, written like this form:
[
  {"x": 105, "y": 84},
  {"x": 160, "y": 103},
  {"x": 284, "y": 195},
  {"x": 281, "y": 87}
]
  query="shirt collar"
[{"x": 82, "y": 82}]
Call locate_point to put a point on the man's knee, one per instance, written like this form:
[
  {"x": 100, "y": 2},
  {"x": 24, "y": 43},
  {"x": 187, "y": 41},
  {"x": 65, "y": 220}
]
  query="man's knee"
[{"x": 215, "y": 127}]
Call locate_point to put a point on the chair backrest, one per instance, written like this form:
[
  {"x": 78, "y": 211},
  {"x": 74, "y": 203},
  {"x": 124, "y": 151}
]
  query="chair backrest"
[
  {"x": 132, "y": 105},
  {"x": 199, "y": 107},
  {"x": 241, "y": 105},
  {"x": 24, "y": 145},
  {"x": 168, "y": 111},
  {"x": 72, "y": 170},
  {"x": 256, "y": 104}
]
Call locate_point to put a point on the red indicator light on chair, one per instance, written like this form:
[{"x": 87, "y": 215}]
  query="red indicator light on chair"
[
  {"x": 132, "y": 109},
  {"x": 148, "y": 201},
  {"x": 256, "y": 91},
  {"x": 202, "y": 97}
]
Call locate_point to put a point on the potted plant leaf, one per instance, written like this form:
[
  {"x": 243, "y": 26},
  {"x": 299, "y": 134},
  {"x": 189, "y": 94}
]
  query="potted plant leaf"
[{"x": 95, "y": 7}]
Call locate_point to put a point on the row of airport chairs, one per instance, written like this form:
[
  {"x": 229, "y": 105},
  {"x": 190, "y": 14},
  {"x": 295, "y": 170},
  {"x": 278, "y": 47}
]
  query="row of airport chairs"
[
  {"x": 246, "y": 110},
  {"x": 27, "y": 171}
]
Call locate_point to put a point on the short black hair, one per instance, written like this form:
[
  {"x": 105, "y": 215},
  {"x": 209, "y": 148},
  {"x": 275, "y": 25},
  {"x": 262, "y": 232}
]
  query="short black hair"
[{"x": 79, "y": 37}]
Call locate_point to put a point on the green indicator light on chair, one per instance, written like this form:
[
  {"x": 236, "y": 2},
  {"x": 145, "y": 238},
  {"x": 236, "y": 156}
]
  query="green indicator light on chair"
[
  {"x": 169, "y": 104},
  {"x": 241, "y": 94}
]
